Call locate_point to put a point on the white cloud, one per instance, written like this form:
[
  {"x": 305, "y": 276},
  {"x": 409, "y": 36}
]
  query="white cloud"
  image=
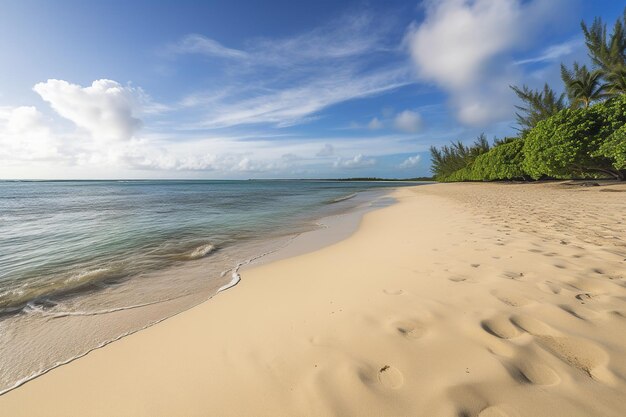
[
  {"x": 347, "y": 36},
  {"x": 288, "y": 81},
  {"x": 293, "y": 105},
  {"x": 105, "y": 109},
  {"x": 198, "y": 44},
  {"x": 52, "y": 149},
  {"x": 25, "y": 136},
  {"x": 457, "y": 37},
  {"x": 359, "y": 161},
  {"x": 408, "y": 121},
  {"x": 465, "y": 46},
  {"x": 554, "y": 52},
  {"x": 375, "y": 124},
  {"x": 410, "y": 162},
  {"x": 327, "y": 150}
]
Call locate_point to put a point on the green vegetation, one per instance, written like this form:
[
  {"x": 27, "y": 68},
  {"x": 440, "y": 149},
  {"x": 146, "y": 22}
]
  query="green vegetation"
[
  {"x": 582, "y": 86},
  {"x": 580, "y": 133},
  {"x": 574, "y": 142},
  {"x": 538, "y": 105},
  {"x": 372, "y": 179}
]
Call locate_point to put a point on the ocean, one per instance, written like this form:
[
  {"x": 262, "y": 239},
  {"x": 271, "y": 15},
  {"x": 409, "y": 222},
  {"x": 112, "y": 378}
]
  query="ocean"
[{"x": 84, "y": 263}]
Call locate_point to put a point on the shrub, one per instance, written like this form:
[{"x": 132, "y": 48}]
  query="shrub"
[
  {"x": 578, "y": 142},
  {"x": 502, "y": 162}
]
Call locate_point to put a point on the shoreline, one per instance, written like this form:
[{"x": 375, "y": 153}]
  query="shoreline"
[
  {"x": 273, "y": 248},
  {"x": 433, "y": 306}
]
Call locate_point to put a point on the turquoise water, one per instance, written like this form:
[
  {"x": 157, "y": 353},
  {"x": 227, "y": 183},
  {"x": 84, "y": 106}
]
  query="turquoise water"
[{"x": 101, "y": 259}]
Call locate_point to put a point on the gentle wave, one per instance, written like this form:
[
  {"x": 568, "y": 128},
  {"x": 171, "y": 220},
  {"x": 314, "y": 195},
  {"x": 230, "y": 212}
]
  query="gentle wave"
[
  {"x": 235, "y": 279},
  {"x": 59, "y": 314},
  {"x": 32, "y": 295},
  {"x": 201, "y": 251},
  {"x": 344, "y": 198},
  {"x": 89, "y": 275}
]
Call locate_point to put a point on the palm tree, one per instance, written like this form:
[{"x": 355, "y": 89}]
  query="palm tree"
[
  {"x": 582, "y": 86},
  {"x": 616, "y": 81},
  {"x": 539, "y": 105},
  {"x": 608, "y": 52}
]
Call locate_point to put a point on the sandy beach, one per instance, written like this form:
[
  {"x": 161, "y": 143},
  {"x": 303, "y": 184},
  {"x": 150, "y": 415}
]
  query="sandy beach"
[{"x": 458, "y": 300}]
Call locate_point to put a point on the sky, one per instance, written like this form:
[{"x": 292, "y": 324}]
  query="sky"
[{"x": 268, "y": 88}]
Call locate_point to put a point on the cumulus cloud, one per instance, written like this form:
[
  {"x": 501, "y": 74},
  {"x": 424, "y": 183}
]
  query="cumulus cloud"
[
  {"x": 375, "y": 124},
  {"x": 359, "y": 161},
  {"x": 410, "y": 162},
  {"x": 458, "y": 37},
  {"x": 327, "y": 150},
  {"x": 408, "y": 121},
  {"x": 25, "y": 135},
  {"x": 464, "y": 47},
  {"x": 106, "y": 109}
]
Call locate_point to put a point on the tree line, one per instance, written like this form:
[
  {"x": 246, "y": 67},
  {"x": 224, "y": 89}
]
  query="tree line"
[{"x": 579, "y": 133}]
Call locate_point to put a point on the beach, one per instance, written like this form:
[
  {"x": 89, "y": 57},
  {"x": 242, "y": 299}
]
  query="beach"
[{"x": 457, "y": 300}]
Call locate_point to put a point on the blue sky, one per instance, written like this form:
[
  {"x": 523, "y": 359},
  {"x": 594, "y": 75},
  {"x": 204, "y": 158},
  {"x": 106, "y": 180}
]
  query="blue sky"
[{"x": 268, "y": 89}]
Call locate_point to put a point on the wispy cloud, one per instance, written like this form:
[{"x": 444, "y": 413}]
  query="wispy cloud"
[
  {"x": 554, "y": 52},
  {"x": 288, "y": 81},
  {"x": 198, "y": 44},
  {"x": 295, "y": 104},
  {"x": 327, "y": 150},
  {"x": 347, "y": 36},
  {"x": 375, "y": 124}
]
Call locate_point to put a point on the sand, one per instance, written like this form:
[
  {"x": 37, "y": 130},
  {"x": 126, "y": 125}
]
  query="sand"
[{"x": 459, "y": 300}]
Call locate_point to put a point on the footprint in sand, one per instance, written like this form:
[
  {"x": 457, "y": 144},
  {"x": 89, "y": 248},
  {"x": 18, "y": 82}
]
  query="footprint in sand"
[
  {"x": 579, "y": 353},
  {"x": 468, "y": 401},
  {"x": 493, "y": 411},
  {"x": 510, "y": 298},
  {"x": 579, "y": 312},
  {"x": 411, "y": 329},
  {"x": 518, "y": 276},
  {"x": 502, "y": 349},
  {"x": 390, "y": 377},
  {"x": 531, "y": 325},
  {"x": 549, "y": 287},
  {"x": 584, "y": 297},
  {"x": 590, "y": 286},
  {"x": 393, "y": 292},
  {"x": 457, "y": 279},
  {"x": 500, "y": 327},
  {"x": 534, "y": 372}
]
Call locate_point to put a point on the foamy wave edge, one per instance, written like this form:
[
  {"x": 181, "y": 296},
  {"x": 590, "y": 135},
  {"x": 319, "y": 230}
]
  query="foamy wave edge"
[
  {"x": 344, "y": 198},
  {"x": 235, "y": 279},
  {"x": 201, "y": 251}
]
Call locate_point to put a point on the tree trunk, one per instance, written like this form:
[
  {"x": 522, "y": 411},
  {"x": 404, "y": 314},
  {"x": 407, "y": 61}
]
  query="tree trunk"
[{"x": 617, "y": 174}]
